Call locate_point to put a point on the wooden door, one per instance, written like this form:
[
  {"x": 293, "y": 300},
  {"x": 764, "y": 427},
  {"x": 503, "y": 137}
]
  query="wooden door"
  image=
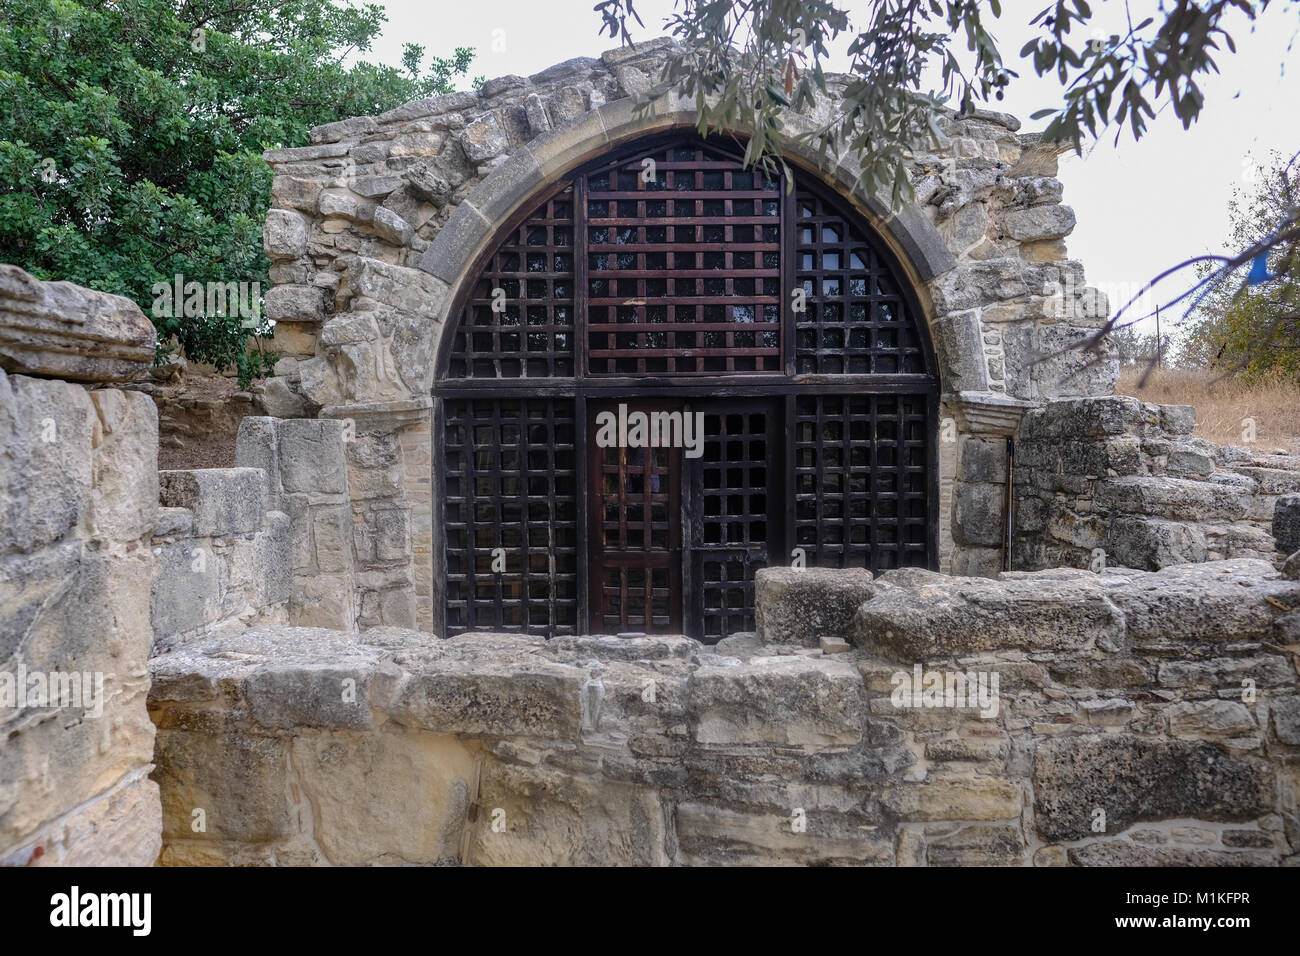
[{"x": 634, "y": 531}]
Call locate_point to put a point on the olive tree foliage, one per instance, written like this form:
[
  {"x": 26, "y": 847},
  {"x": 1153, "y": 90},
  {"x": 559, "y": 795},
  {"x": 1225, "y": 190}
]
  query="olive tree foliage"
[
  {"x": 747, "y": 63},
  {"x": 131, "y": 134}
]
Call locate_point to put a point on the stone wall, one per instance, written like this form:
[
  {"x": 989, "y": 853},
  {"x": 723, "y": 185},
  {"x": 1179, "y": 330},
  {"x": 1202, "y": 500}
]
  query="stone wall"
[
  {"x": 1140, "y": 718},
  {"x": 78, "y": 497},
  {"x": 375, "y": 225},
  {"x": 1115, "y": 481},
  {"x": 223, "y": 557},
  {"x": 304, "y": 462}
]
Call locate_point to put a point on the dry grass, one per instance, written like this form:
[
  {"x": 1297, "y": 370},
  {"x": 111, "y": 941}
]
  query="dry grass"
[{"x": 1222, "y": 403}]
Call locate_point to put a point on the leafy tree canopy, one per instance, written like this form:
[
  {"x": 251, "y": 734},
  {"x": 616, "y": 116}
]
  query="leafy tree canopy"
[
  {"x": 131, "y": 136},
  {"x": 1253, "y": 326},
  {"x": 746, "y": 61}
]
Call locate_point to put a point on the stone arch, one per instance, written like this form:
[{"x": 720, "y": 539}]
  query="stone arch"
[{"x": 471, "y": 230}]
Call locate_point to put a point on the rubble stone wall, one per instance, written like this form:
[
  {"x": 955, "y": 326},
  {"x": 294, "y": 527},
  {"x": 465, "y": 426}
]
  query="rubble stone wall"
[
  {"x": 223, "y": 557},
  {"x": 1115, "y": 481},
  {"x": 1139, "y": 718}
]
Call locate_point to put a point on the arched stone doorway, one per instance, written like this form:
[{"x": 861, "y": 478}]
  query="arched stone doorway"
[
  {"x": 664, "y": 373},
  {"x": 381, "y": 225}
]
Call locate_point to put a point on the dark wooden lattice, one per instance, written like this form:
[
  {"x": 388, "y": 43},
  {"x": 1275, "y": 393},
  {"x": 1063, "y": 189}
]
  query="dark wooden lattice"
[
  {"x": 683, "y": 266},
  {"x": 731, "y": 528},
  {"x": 518, "y": 321},
  {"x": 635, "y": 548},
  {"x": 856, "y": 319},
  {"x": 673, "y": 264},
  {"x": 861, "y": 495},
  {"x": 511, "y": 484}
]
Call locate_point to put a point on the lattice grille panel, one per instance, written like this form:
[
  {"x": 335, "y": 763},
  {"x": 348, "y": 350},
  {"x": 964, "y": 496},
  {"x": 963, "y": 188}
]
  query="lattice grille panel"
[
  {"x": 860, "y": 495},
  {"x": 518, "y": 322},
  {"x": 683, "y": 266},
  {"x": 511, "y": 484},
  {"x": 734, "y": 493},
  {"x": 856, "y": 320}
]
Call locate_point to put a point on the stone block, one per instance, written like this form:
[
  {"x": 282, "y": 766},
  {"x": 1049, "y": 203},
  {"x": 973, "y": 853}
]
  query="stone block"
[
  {"x": 187, "y": 590},
  {"x": 979, "y": 514},
  {"x": 1286, "y": 523},
  {"x": 388, "y": 799},
  {"x": 495, "y": 696},
  {"x": 1136, "y": 779},
  {"x": 224, "y": 501},
  {"x": 46, "y": 431},
  {"x": 1216, "y": 601},
  {"x": 295, "y": 303},
  {"x": 65, "y": 331},
  {"x": 285, "y": 234},
  {"x": 125, "y": 473},
  {"x": 312, "y": 456},
  {"x": 1150, "y": 544},
  {"x": 980, "y": 845},
  {"x": 919, "y": 615},
  {"x": 1178, "y": 499},
  {"x": 800, "y": 605},
  {"x": 239, "y": 780},
  {"x": 955, "y": 798},
  {"x": 786, "y": 701}
]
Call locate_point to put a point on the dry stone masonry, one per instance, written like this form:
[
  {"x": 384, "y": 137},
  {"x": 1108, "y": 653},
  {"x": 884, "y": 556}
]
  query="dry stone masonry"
[
  {"x": 1117, "y": 481},
  {"x": 1117, "y": 733}
]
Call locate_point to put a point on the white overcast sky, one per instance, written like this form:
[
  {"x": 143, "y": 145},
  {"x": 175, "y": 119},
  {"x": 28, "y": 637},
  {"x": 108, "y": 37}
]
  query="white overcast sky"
[{"x": 1141, "y": 206}]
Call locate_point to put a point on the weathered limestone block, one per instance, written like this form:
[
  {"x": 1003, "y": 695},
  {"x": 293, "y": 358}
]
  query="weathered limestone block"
[
  {"x": 917, "y": 615},
  {"x": 427, "y": 184},
  {"x": 125, "y": 473},
  {"x": 46, "y": 464},
  {"x": 389, "y": 799},
  {"x": 399, "y": 287},
  {"x": 1179, "y": 499},
  {"x": 187, "y": 589},
  {"x": 979, "y": 512},
  {"x": 295, "y": 303},
  {"x": 1191, "y": 458},
  {"x": 1211, "y": 719},
  {"x": 1286, "y": 720},
  {"x": 1120, "y": 853},
  {"x": 1286, "y": 523},
  {"x": 1039, "y": 222},
  {"x": 391, "y": 227},
  {"x": 224, "y": 500},
  {"x": 512, "y": 691},
  {"x": 312, "y": 456},
  {"x": 1135, "y": 778},
  {"x": 83, "y": 613},
  {"x": 67, "y": 331},
  {"x": 1216, "y": 601},
  {"x": 117, "y": 828},
  {"x": 710, "y": 834},
  {"x": 285, "y": 234},
  {"x": 800, "y": 605},
  {"x": 978, "y": 845},
  {"x": 788, "y": 701},
  {"x": 1150, "y": 544},
  {"x": 956, "y": 798},
  {"x": 564, "y": 819},
  {"x": 240, "y": 780},
  {"x": 484, "y": 138}
]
